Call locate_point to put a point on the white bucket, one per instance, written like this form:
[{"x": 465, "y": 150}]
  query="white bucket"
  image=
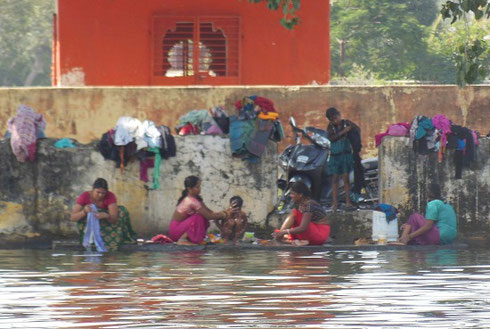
[{"x": 383, "y": 229}]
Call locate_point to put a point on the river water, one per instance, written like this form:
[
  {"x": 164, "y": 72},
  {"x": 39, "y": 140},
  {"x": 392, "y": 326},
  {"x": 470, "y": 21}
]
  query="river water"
[{"x": 436, "y": 288}]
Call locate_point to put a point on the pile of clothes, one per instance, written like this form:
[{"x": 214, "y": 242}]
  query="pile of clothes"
[
  {"x": 23, "y": 130},
  {"x": 256, "y": 122},
  {"x": 436, "y": 135},
  {"x": 214, "y": 121},
  {"x": 132, "y": 138}
]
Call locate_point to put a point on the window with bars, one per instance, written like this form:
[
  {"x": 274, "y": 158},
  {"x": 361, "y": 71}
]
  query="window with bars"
[{"x": 196, "y": 49}]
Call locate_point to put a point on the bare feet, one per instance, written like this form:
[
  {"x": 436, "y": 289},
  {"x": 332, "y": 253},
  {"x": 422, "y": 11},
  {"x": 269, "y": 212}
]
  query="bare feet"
[{"x": 185, "y": 242}]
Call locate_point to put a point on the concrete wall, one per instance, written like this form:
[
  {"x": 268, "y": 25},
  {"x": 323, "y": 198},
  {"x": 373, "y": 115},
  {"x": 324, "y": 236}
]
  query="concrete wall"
[
  {"x": 36, "y": 198},
  {"x": 86, "y": 113},
  {"x": 405, "y": 175}
]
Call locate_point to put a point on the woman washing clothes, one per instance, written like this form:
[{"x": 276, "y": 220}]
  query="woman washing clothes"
[
  {"x": 190, "y": 220},
  {"x": 100, "y": 220},
  {"x": 307, "y": 224}
]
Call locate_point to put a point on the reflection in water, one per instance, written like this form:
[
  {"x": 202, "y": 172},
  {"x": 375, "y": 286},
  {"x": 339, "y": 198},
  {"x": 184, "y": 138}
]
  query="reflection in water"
[{"x": 246, "y": 289}]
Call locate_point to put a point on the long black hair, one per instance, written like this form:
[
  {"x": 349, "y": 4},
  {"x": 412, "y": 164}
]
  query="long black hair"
[
  {"x": 301, "y": 188},
  {"x": 100, "y": 183},
  {"x": 189, "y": 182}
]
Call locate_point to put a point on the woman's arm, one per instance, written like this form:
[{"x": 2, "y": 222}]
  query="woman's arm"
[
  {"x": 333, "y": 137},
  {"x": 303, "y": 227},
  {"x": 211, "y": 215},
  {"x": 79, "y": 212},
  {"x": 111, "y": 216},
  {"x": 426, "y": 227}
]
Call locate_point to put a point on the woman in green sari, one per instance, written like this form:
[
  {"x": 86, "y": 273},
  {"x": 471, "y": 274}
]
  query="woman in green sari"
[{"x": 114, "y": 221}]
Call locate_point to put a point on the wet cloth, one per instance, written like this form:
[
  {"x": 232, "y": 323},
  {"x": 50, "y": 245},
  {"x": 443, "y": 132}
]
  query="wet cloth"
[
  {"x": 195, "y": 226},
  {"x": 430, "y": 237},
  {"x": 161, "y": 239},
  {"x": 113, "y": 235},
  {"x": 156, "y": 170},
  {"x": 23, "y": 128},
  {"x": 388, "y": 209},
  {"x": 92, "y": 232},
  {"x": 169, "y": 148},
  {"x": 444, "y": 217},
  {"x": 316, "y": 234}
]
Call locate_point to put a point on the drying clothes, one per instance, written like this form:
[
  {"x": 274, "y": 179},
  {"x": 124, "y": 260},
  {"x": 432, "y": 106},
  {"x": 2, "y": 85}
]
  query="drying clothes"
[
  {"x": 467, "y": 135},
  {"x": 388, "y": 209},
  {"x": 145, "y": 164},
  {"x": 24, "y": 128},
  {"x": 258, "y": 143},
  {"x": 397, "y": 129},
  {"x": 156, "y": 169},
  {"x": 443, "y": 124},
  {"x": 151, "y": 134},
  {"x": 424, "y": 126},
  {"x": 195, "y": 117},
  {"x": 169, "y": 148},
  {"x": 241, "y": 133},
  {"x": 64, "y": 143},
  {"x": 423, "y": 135},
  {"x": 92, "y": 232},
  {"x": 127, "y": 130}
]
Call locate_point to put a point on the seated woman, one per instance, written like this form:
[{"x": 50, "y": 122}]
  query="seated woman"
[
  {"x": 421, "y": 230},
  {"x": 114, "y": 222},
  {"x": 190, "y": 220},
  {"x": 306, "y": 225}
]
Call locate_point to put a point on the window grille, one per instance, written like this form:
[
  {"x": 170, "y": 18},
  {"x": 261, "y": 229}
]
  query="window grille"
[{"x": 196, "y": 49}]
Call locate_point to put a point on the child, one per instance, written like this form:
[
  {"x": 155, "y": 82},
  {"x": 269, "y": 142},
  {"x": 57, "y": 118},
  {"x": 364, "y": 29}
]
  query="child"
[{"x": 234, "y": 225}]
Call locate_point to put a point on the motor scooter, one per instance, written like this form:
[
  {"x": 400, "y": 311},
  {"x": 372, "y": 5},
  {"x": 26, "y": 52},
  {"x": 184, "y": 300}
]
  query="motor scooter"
[{"x": 307, "y": 163}]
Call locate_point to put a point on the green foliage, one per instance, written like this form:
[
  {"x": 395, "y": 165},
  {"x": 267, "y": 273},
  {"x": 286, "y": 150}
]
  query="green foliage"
[
  {"x": 384, "y": 37},
  {"x": 25, "y": 42},
  {"x": 471, "y": 55},
  {"x": 289, "y": 8}
]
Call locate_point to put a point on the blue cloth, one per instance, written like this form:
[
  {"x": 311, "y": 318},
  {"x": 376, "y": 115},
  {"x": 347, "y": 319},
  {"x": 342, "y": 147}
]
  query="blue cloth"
[
  {"x": 64, "y": 143},
  {"x": 388, "y": 209},
  {"x": 92, "y": 232},
  {"x": 241, "y": 133},
  {"x": 424, "y": 125}
]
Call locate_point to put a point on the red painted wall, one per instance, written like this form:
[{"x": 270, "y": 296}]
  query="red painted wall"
[{"x": 111, "y": 40}]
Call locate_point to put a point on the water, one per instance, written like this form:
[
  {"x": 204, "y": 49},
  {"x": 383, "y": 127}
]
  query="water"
[{"x": 441, "y": 288}]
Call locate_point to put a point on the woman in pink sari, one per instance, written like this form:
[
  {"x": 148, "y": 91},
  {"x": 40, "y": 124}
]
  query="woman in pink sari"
[{"x": 190, "y": 220}]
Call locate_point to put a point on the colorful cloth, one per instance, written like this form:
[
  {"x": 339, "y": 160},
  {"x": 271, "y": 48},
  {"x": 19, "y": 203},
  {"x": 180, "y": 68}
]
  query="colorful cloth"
[
  {"x": 195, "y": 226},
  {"x": 444, "y": 217},
  {"x": 442, "y": 123},
  {"x": 113, "y": 235},
  {"x": 156, "y": 169},
  {"x": 397, "y": 129},
  {"x": 92, "y": 232},
  {"x": 161, "y": 239},
  {"x": 430, "y": 237},
  {"x": 24, "y": 132},
  {"x": 316, "y": 234}
]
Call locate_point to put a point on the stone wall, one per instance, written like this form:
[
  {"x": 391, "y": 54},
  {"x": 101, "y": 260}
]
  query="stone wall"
[
  {"x": 36, "y": 198},
  {"x": 405, "y": 175},
  {"x": 86, "y": 113}
]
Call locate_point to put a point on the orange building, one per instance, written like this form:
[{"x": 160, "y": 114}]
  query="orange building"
[{"x": 188, "y": 42}]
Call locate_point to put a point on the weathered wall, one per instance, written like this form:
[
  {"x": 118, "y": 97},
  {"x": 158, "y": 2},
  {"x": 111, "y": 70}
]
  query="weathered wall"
[
  {"x": 405, "y": 175},
  {"x": 37, "y": 197},
  {"x": 108, "y": 43},
  {"x": 86, "y": 113}
]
